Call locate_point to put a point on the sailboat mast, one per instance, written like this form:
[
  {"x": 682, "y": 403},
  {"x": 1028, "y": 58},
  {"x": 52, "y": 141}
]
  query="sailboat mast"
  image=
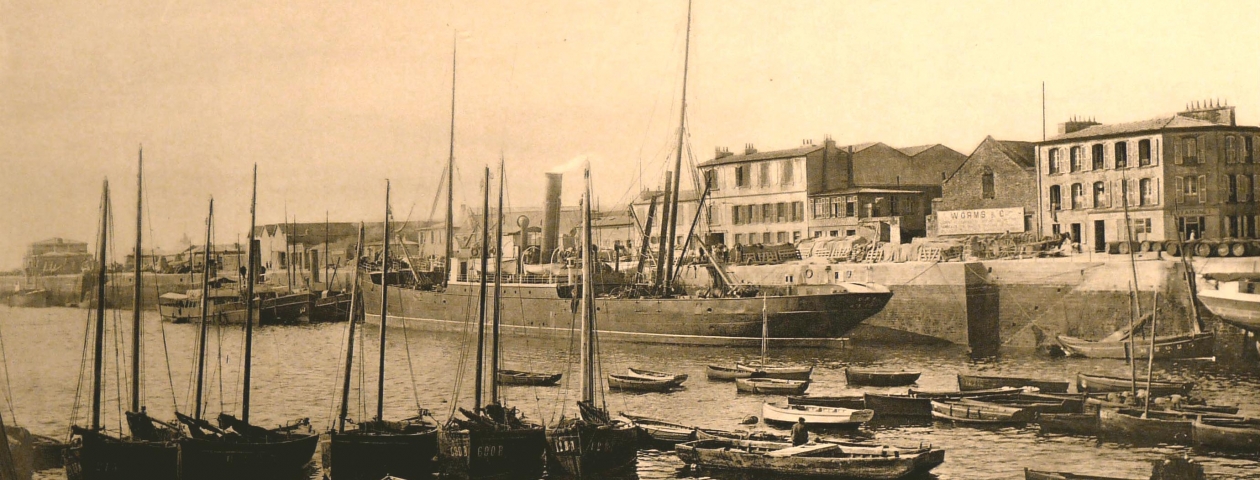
[
  {"x": 481, "y": 311},
  {"x": 205, "y": 306},
  {"x": 324, "y": 254},
  {"x": 588, "y": 295},
  {"x": 765, "y": 330},
  {"x": 354, "y": 309},
  {"x": 498, "y": 303},
  {"x": 672, "y": 226},
  {"x": 380, "y": 374},
  {"x": 98, "y": 362},
  {"x": 1150, "y": 356},
  {"x": 135, "y": 299},
  {"x": 250, "y": 277},
  {"x": 450, "y": 179},
  {"x": 1137, "y": 299}
]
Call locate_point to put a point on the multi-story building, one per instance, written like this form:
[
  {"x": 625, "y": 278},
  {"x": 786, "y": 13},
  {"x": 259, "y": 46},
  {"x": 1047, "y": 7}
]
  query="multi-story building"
[
  {"x": 1189, "y": 175},
  {"x": 56, "y": 256}
]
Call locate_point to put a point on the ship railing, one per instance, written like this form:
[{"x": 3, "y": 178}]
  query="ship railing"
[{"x": 526, "y": 278}]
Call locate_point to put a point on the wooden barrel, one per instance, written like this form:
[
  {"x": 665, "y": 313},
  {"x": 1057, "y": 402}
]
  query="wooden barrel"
[
  {"x": 1172, "y": 248},
  {"x": 1144, "y": 246},
  {"x": 1237, "y": 249},
  {"x": 1223, "y": 249},
  {"x": 1204, "y": 249},
  {"x": 1123, "y": 248}
]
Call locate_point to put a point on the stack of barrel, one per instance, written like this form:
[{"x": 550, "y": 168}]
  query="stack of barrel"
[{"x": 1226, "y": 247}]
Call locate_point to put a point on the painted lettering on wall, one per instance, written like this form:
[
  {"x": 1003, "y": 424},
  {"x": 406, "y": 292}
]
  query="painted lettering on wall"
[{"x": 986, "y": 220}]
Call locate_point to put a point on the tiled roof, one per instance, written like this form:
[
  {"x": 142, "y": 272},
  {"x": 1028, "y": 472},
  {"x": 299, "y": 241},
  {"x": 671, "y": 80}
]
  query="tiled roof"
[
  {"x": 1174, "y": 121},
  {"x": 1023, "y": 153},
  {"x": 776, "y": 154}
]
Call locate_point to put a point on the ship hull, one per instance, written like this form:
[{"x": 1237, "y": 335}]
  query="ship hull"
[{"x": 542, "y": 310}]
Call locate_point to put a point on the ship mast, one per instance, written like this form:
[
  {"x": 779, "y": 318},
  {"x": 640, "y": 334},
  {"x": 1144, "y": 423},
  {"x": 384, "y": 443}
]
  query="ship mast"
[
  {"x": 481, "y": 312},
  {"x": 250, "y": 275},
  {"x": 98, "y": 363},
  {"x": 498, "y": 281},
  {"x": 380, "y": 375},
  {"x": 135, "y": 316},
  {"x": 354, "y": 309},
  {"x": 450, "y": 179},
  {"x": 205, "y": 306},
  {"x": 588, "y": 297},
  {"x": 672, "y": 226}
]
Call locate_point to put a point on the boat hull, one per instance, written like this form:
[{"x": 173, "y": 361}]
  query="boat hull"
[
  {"x": 285, "y": 310},
  {"x": 543, "y": 310},
  {"x": 592, "y": 451},
  {"x": 767, "y": 386},
  {"x": 1242, "y": 438},
  {"x": 1099, "y": 383},
  {"x": 515, "y": 377},
  {"x": 852, "y": 402},
  {"x": 813, "y": 415},
  {"x": 492, "y": 455},
  {"x": 880, "y": 379},
  {"x": 210, "y": 459},
  {"x": 98, "y": 457},
  {"x": 637, "y": 384},
  {"x": 1085, "y": 424},
  {"x": 1238, "y": 309},
  {"x": 728, "y": 374},
  {"x": 1166, "y": 347},
  {"x": 733, "y": 455},
  {"x": 983, "y": 414},
  {"x": 372, "y": 456},
  {"x": 1116, "y": 425},
  {"x": 898, "y": 405},
  {"x": 980, "y": 382}
]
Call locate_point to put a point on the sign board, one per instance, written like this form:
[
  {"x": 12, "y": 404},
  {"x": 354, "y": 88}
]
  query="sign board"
[{"x": 986, "y": 220}]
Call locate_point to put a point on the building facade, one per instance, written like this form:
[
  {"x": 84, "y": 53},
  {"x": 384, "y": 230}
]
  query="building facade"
[
  {"x": 759, "y": 197},
  {"x": 1189, "y": 176},
  {"x": 997, "y": 174}
]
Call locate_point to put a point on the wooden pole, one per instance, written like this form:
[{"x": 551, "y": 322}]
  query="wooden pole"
[
  {"x": 380, "y": 375},
  {"x": 98, "y": 362},
  {"x": 203, "y": 331},
  {"x": 251, "y": 277},
  {"x": 481, "y": 311},
  {"x": 672, "y": 226},
  {"x": 1150, "y": 355},
  {"x": 450, "y": 179},
  {"x": 136, "y": 288},
  {"x": 498, "y": 303},
  {"x": 353, "y": 318}
]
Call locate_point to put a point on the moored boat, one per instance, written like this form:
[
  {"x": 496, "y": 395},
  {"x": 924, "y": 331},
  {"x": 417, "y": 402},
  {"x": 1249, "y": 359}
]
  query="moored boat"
[
  {"x": 771, "y": 386},
  {"x": 677, "y": 378},
  {"x": 1235, "y": 299},
  {"x": 1068, "y": 423},
  {"x": 777, "y": 371},
  {"x": 1158, "y": 388},
  {"x": 1167, "y": 347},
  {"x": 656, "y": 431},
  {"x": 879, "y": 378},
  {"x": 956, "y": 394},
  {"x": 816, "y": 460},
  {"x": 1035, "y": 405},
  {"x": 727, "y": 374},
  {"x": 1226, "y": 435},
  {"x": 640, "y": 384},
  {"x": 854, "y": 402},
  {"x": 814, "y": 415},
  {"x": 1131, "y": 426},
  {"x": 984, "y": 413},
  {"x": 983, "y": 382},
  {"x": 518, "y": 377},
  {"x": 898, "y": 405}
]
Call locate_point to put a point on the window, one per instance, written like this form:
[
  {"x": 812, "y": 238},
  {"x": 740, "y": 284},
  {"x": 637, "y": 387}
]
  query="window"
[
  {"x": 1074, "y": 162},
  {"x": 715, "y": 215},
  {"x": 1244, "y": 188},
  {"x": 822, "y": 208},
  {"x": 765, "y": 238},
  {"x": 1099, "y": 162},
  {"x": 1139, "y": 225},
  {"x": 1144, "y": 153},
  {"x": 986, "y": 184},
  {"x": 850, "y": 206},
  {"x": 1189, "y": 150},
  {"x": 739, "y": 239},
  {"x": 1231, "y": 154},
  {"x": 741, "y": 176},
  {"x": 1100, "y": 195},
  {"x": 1078, "y": 196},
  {"x": 796, "y": 236},
  {"x": 837, "y": 207},
  {"x": 787, "y": 176},
  {"x": 1232, "y": 188},
  {"x": 1146, "y": 192},
  {"x": 782, "y": 237},
  {"x": 781, "y": 213},
  {"x": 798, "y": 211},
  {"x": 1122, "y": 154},
  {"x": 767, "y": 213},
  {"x": 711, "y": 179},
  {"x": 1190, "y": 188},
  {"x": 1248, "y": 153},
  {"x": 1056, "y": 198},
  {"x": 736, "y": 218},
  {"x": 764, "y": 177},
  {"x": 1053, "y": 162},
  {"x": 817, "y": 233}
]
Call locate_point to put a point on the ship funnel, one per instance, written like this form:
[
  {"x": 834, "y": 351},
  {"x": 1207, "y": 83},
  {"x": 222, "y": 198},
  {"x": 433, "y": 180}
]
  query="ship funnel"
[{"x": 551, "y": 217}]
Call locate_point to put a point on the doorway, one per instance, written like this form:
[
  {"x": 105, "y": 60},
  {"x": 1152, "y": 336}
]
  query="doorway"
[
  {"x": 1076, "y": 235},
  {"x": 1100, "y": 236}
]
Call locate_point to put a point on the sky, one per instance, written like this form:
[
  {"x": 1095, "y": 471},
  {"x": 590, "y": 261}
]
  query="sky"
[{"x": 330, "y": 99}]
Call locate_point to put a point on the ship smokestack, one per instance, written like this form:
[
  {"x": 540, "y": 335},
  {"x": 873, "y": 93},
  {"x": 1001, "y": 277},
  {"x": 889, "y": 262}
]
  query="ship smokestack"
[{"x": 551, "y": 217}]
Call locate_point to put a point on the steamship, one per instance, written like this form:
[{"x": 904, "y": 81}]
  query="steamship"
[{"x": 541, "y": 300}]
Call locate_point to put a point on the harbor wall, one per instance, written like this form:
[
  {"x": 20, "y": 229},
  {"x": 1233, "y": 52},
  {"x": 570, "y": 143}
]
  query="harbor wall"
[{"x": 79, "y": 289}]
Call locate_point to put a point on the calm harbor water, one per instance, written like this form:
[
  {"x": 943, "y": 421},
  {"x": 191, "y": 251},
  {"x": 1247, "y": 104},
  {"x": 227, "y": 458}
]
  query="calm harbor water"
[{"x": 296, "y": 375}]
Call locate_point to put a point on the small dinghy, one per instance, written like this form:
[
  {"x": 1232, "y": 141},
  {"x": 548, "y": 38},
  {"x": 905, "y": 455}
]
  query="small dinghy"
[
  {"x": 639, "y": 384},
  {"x": 955, "y": 394},
  {"x": 1226, "y": 434},
  {"x": 898, "y": 405},
  {"x": 853, "y": 402},
  {"x": 1159, "y": 388},
  {"x": 1131, "y": 427},
  {"x": 880, "y": 378},
  {"x": 814, "y": 415},
  {"x": 1084, "y": 424},
  {"x": 655, "y": 431},
  {"x": 779, "y": 371},
  {"x": 677, "y": 378},
  {"x": 771, "y": 386},
  {"x": 517, "y": 377},
  {"x": 982, "y": 382},
  {"x": 729, "y": 374},
  {"x": 979, "y": 412},
  {"x": 813, "y": 460}
]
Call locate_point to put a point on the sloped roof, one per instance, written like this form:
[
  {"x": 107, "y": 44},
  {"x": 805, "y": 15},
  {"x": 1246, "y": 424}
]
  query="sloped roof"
[
  {"x": 1161, "y": 123},
  {"x": 646, "y": 197},
  {"x": 612, "y": 219},
  {"x": 58, "y": 241},
  {"x": 861, "y": 190},
  {"x": 912, "y": 151},
  {"x": 1023, "y": 153},
  {"x": 771, "y": 155}
]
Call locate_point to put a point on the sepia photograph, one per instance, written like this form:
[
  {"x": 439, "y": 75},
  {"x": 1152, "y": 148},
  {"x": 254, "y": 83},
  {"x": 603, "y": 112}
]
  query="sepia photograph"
[{"x": 775, "y": 239}]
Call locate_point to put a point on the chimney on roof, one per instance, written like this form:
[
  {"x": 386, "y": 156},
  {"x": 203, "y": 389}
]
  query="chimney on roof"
[
  {"x": 1076, "y": 124},
  {"x": 721, "y": 152},
  {"x": 828, "y": 141},
  {"x": 749, "y": 149},
  {"x": 1213, "y": 111},
  {"x": 807, "y": 142}
]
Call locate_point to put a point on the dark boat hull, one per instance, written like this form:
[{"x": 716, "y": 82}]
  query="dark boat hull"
[
  {"x": 492, "y": 455},
  {"x": 1117, "y": 425},
  {"x": 852, "y": 402},
  {"x": 1166, "y": 347},
  {"x": 1100, "y": 383},
  {"x": 592, "y": 451},
  {"x": 1243, "y": 437},
  {"x": 214, "y": 459},
  {"x": 97, "y": 457},
  {"x": 980, "y": 382},
  {"x": 898, "y": 405},
  {"x": 544, "y": 310},
  {"x": 284, "y": 310},
  {"x": 334, "y": 308},
  {"x": 372, "y": 456},
  {"x": 880, "y": 379},
  {"x": 1085, "y": 424},
  {"x": 514, "y": 377}
]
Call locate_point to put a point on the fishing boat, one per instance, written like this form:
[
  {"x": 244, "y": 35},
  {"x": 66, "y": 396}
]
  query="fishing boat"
[
  {"x": 727, "y": 374},
  {"x": 1235, "y": 298},
  {"x": 1085, "y": 424},
  {"x": 492, "y": 440},
  {"x": 592, "y": 445},
  {"x": 273, "y": 305},
  {"x": 1194, "y": 344},
  {"x": 898, "y": 405},
  {"x": 812, "y": 460},
  {"x": 879, "y": 378},
  {"x": 16, "y": 453},
  {"x": 980, "y": 413},
  {"x": 777, "y": 371},
  {"x": 639, "y": 384},
  {"x": 1132, "y": 426},
  {"x": 771, "y": 386},
  {"x": 956, "y": 394},
  {"x": 517, "y": 377},
  {"x": 814, "y": 415},
  {"x": 677, "y": 378},
  {"x": 95, "y": 452},
  {"x": 371, "y": 449},
  {"x": 1158, "y": 388},
  {"x": 655, "y": 431},
  {"x": 1037, "y": 406},
  {"x": 1226, "y": 435},
  {"x": 982, "y": 382},
  {"x": 855, "y": 402},
  {"x": 236, "y": 448}
]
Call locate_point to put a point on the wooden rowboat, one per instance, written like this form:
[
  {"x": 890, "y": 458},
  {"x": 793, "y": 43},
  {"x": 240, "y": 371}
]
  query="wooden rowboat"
[
  {"x": 814, "y": 415},
  {"x": 979, "y": 413},
  {"x": 1085, "y": 424},
  {"x": 1188, "y": 345},
  {"x": 814, "y": 460},
  {"x": 677, "y": 378},
  {"x": 1101, "y": 383},
  {"x": 779, "y": 371},
  {"x": 1128, "y": 426},
  {"x": 637, "y": 384},
  {"x": 661, "y": 432},
  {"x": 898, "y": 405},
  {"x": 1226, "y": 435},
  {"x": 880, "y": 378},
  {"x": 955, "y": 394},
  {"x": 728, "y": 374},
  {"x": 517, "y": 377},
  {"x": 1036, "y": 406},
  {"x": 771, "y": 386},
  {"x": 981, "y": 382},
  {"x": 854, "y": 402}
]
